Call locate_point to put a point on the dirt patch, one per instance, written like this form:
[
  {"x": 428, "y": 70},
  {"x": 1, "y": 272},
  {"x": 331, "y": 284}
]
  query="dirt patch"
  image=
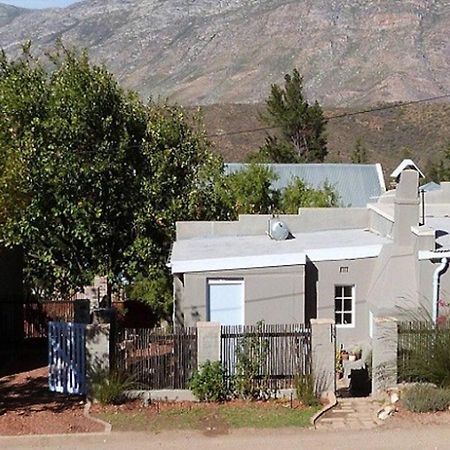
[{"x": 28, "y": 407}]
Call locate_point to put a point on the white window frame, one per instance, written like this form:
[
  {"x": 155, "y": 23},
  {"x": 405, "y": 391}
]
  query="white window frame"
[
  {"x": 218, "y": 281},
  {"x": 342, "y": 312}
]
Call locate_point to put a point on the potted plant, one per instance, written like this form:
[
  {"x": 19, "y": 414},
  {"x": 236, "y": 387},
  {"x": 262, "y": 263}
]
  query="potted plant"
[
  {"x": 339, "y": 366},
  {"x": 356, "y": 353}
]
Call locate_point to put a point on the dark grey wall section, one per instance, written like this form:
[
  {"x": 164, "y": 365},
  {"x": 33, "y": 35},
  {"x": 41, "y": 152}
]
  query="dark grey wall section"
[{"x": 11, "y": 275}]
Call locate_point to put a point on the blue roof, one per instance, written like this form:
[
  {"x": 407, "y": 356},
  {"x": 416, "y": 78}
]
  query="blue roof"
[{"x": 356, "y": 184}]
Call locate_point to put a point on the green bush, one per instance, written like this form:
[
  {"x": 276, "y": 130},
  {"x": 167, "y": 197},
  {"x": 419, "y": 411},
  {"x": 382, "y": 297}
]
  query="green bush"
[
  {"x": 208, "y": 383},
  {"x": 304, "y": 388},
  {"x": 426, "y": 398},
  {"x": 108, "y": 388},
  {"x": 249, "y": 382},
  {"x": 428, "y": 360}
]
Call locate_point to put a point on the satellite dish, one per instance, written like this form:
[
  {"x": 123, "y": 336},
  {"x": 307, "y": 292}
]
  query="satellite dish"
[{"x": 278, "y": 230}]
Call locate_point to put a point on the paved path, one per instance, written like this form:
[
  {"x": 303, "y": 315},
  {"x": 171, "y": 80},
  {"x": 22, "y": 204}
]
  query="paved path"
[
  {"x": 351, "y": 414},
  {"x": 423, "y": 438}
]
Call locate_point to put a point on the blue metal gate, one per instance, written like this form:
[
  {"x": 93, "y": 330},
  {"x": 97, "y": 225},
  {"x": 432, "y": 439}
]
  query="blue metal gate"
[{"x": 67, "y": 357}]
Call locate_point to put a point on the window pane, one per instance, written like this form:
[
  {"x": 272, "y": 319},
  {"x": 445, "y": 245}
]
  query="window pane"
[
  {"x": 338, "y": 318},
  {"x": 338, "y": 291},
  {"x": 348, "y": 291},
  {"x": 347, "y": 305},
  {"x": 338, "y": 304},
  {"x": 347, "y": 318}
]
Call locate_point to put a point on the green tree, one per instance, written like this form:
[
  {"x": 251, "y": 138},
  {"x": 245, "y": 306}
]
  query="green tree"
[
  {"x": 155, "y": 290},
  {"x": 359, "y": 153},
  {"x": 297, "y": 194},
  {"x": 438, "y": 169},
  {"x": 92, "y": 180},
  {"x": 301, "y": 125},
  {"x": 250, "y": 191}
]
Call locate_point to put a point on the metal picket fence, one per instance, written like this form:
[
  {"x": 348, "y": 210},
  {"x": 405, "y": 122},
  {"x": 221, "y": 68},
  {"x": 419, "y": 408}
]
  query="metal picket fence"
[{"x": 281, "y": 352}]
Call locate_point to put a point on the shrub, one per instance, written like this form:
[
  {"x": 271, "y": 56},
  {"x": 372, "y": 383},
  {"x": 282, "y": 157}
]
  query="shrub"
[
  {"x": 250, "y": 382},
  {"x": 208, "y": 383},
  {"x": 428, "y": 360},
  {"x": 426, "y": 398},
  {"x": 108, "y": 388},
  {"x": 304, "y": 388}
]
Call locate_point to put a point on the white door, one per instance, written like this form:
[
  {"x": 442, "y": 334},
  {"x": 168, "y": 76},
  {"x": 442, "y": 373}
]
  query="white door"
[{"x": 226, "y": 301}]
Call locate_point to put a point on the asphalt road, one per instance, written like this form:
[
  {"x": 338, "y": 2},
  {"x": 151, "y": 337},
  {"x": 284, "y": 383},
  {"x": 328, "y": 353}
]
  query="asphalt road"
[{"x": 423, "y": 437}]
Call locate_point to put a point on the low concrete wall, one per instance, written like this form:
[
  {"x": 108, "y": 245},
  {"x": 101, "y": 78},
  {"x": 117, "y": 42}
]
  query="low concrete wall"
[
  {"x": 161, "y": 395},
  {"x": 208, "y": 342},
  {"x": 384, "y": 354},
  {"x": 323, "y": 350}
]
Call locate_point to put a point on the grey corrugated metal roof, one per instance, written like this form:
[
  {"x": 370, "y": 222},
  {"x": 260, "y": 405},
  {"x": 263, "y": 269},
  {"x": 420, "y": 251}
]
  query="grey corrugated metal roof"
[
  {"x": 356, "y": 184},
  {"x": 431, "y": 186}
]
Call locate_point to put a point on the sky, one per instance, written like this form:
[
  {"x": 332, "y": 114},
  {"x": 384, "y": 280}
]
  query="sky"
[{"x": 38, "y": 3}]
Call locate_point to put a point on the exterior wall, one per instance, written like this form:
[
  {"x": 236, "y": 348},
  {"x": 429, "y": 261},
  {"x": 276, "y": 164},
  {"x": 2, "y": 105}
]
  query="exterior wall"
[
  {"x": 426, "y": 269},
  {"x": 308, "y": 220},
  {"x": 359, "y": 274},
  {"x": 381, "y": 224},
  {"x": 275, "y": 295},
  {"x": 11, "y": 295}
]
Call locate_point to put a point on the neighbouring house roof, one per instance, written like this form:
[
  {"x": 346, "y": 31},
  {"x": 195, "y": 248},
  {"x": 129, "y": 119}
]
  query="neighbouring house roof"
[
  {"x": 404, "y": 165},
  {"x": 356, "y": 184},
  {"x": 441, "y": 226},
  {"x": 431, "y": 186},
  {"x": 243, "y": 252}
]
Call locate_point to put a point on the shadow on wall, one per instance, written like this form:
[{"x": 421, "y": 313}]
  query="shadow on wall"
[{"x": 311, "y": 280}]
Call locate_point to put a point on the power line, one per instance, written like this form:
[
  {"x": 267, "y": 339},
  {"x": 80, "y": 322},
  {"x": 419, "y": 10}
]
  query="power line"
[{"x": 338, "y": 116}]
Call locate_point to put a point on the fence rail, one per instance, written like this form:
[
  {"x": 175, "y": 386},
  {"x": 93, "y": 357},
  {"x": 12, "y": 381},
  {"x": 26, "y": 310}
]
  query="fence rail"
[
  {"x": 157, "y": 359},
  {"x": 280, "y": 352},
  {"x": 30, "y": 320}
]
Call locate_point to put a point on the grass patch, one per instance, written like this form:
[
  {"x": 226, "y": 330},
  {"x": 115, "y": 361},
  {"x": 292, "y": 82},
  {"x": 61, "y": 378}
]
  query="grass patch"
[
  {"x": 210, "y": 416},
  {"x": 280, "y": 416},
  {"x": 174, "y": 419}
]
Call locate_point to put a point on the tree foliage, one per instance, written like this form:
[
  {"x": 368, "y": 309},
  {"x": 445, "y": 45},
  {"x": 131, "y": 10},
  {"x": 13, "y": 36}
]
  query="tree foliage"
[
  {"x": 301, "y": 125},
  {"x": 251, "y": 191},
  {"x": 92, "y": 180},
  {"x": 359, "y": 153},
  {"x": 299, "y": 195},
  {"x": 439, "y": 170}
]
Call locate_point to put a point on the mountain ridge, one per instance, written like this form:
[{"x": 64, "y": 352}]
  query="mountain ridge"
[{"x": 230, "y": 51}]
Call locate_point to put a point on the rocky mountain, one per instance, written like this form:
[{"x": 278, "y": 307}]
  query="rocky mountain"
[
  {"x": 8, "y": 13},
  {"x": 351, "y": 53}
]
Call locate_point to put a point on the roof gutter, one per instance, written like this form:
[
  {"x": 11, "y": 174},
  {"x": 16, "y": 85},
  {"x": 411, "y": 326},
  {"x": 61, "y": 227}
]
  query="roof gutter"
[{"x": 436, "y": 286}]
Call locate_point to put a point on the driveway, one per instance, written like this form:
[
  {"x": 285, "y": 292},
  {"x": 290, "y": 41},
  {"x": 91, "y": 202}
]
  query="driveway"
[{"x": 426, "y": 437}]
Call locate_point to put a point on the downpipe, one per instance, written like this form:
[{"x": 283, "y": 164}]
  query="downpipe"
[{"x": 436, "y": 287}]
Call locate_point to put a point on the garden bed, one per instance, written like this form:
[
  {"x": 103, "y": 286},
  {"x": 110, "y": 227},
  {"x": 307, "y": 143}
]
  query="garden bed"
[{"x": 209, "y": 418}]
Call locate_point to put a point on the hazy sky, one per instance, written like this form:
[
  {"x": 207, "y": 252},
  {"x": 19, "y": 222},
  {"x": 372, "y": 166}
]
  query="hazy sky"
[{"x": 38, "y": 3}]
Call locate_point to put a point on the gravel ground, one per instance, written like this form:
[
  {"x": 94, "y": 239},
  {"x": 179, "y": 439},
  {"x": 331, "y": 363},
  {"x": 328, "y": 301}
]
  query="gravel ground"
[
  {"x": 28, "y": 407},
  {"x": 424, "y": 438}
]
